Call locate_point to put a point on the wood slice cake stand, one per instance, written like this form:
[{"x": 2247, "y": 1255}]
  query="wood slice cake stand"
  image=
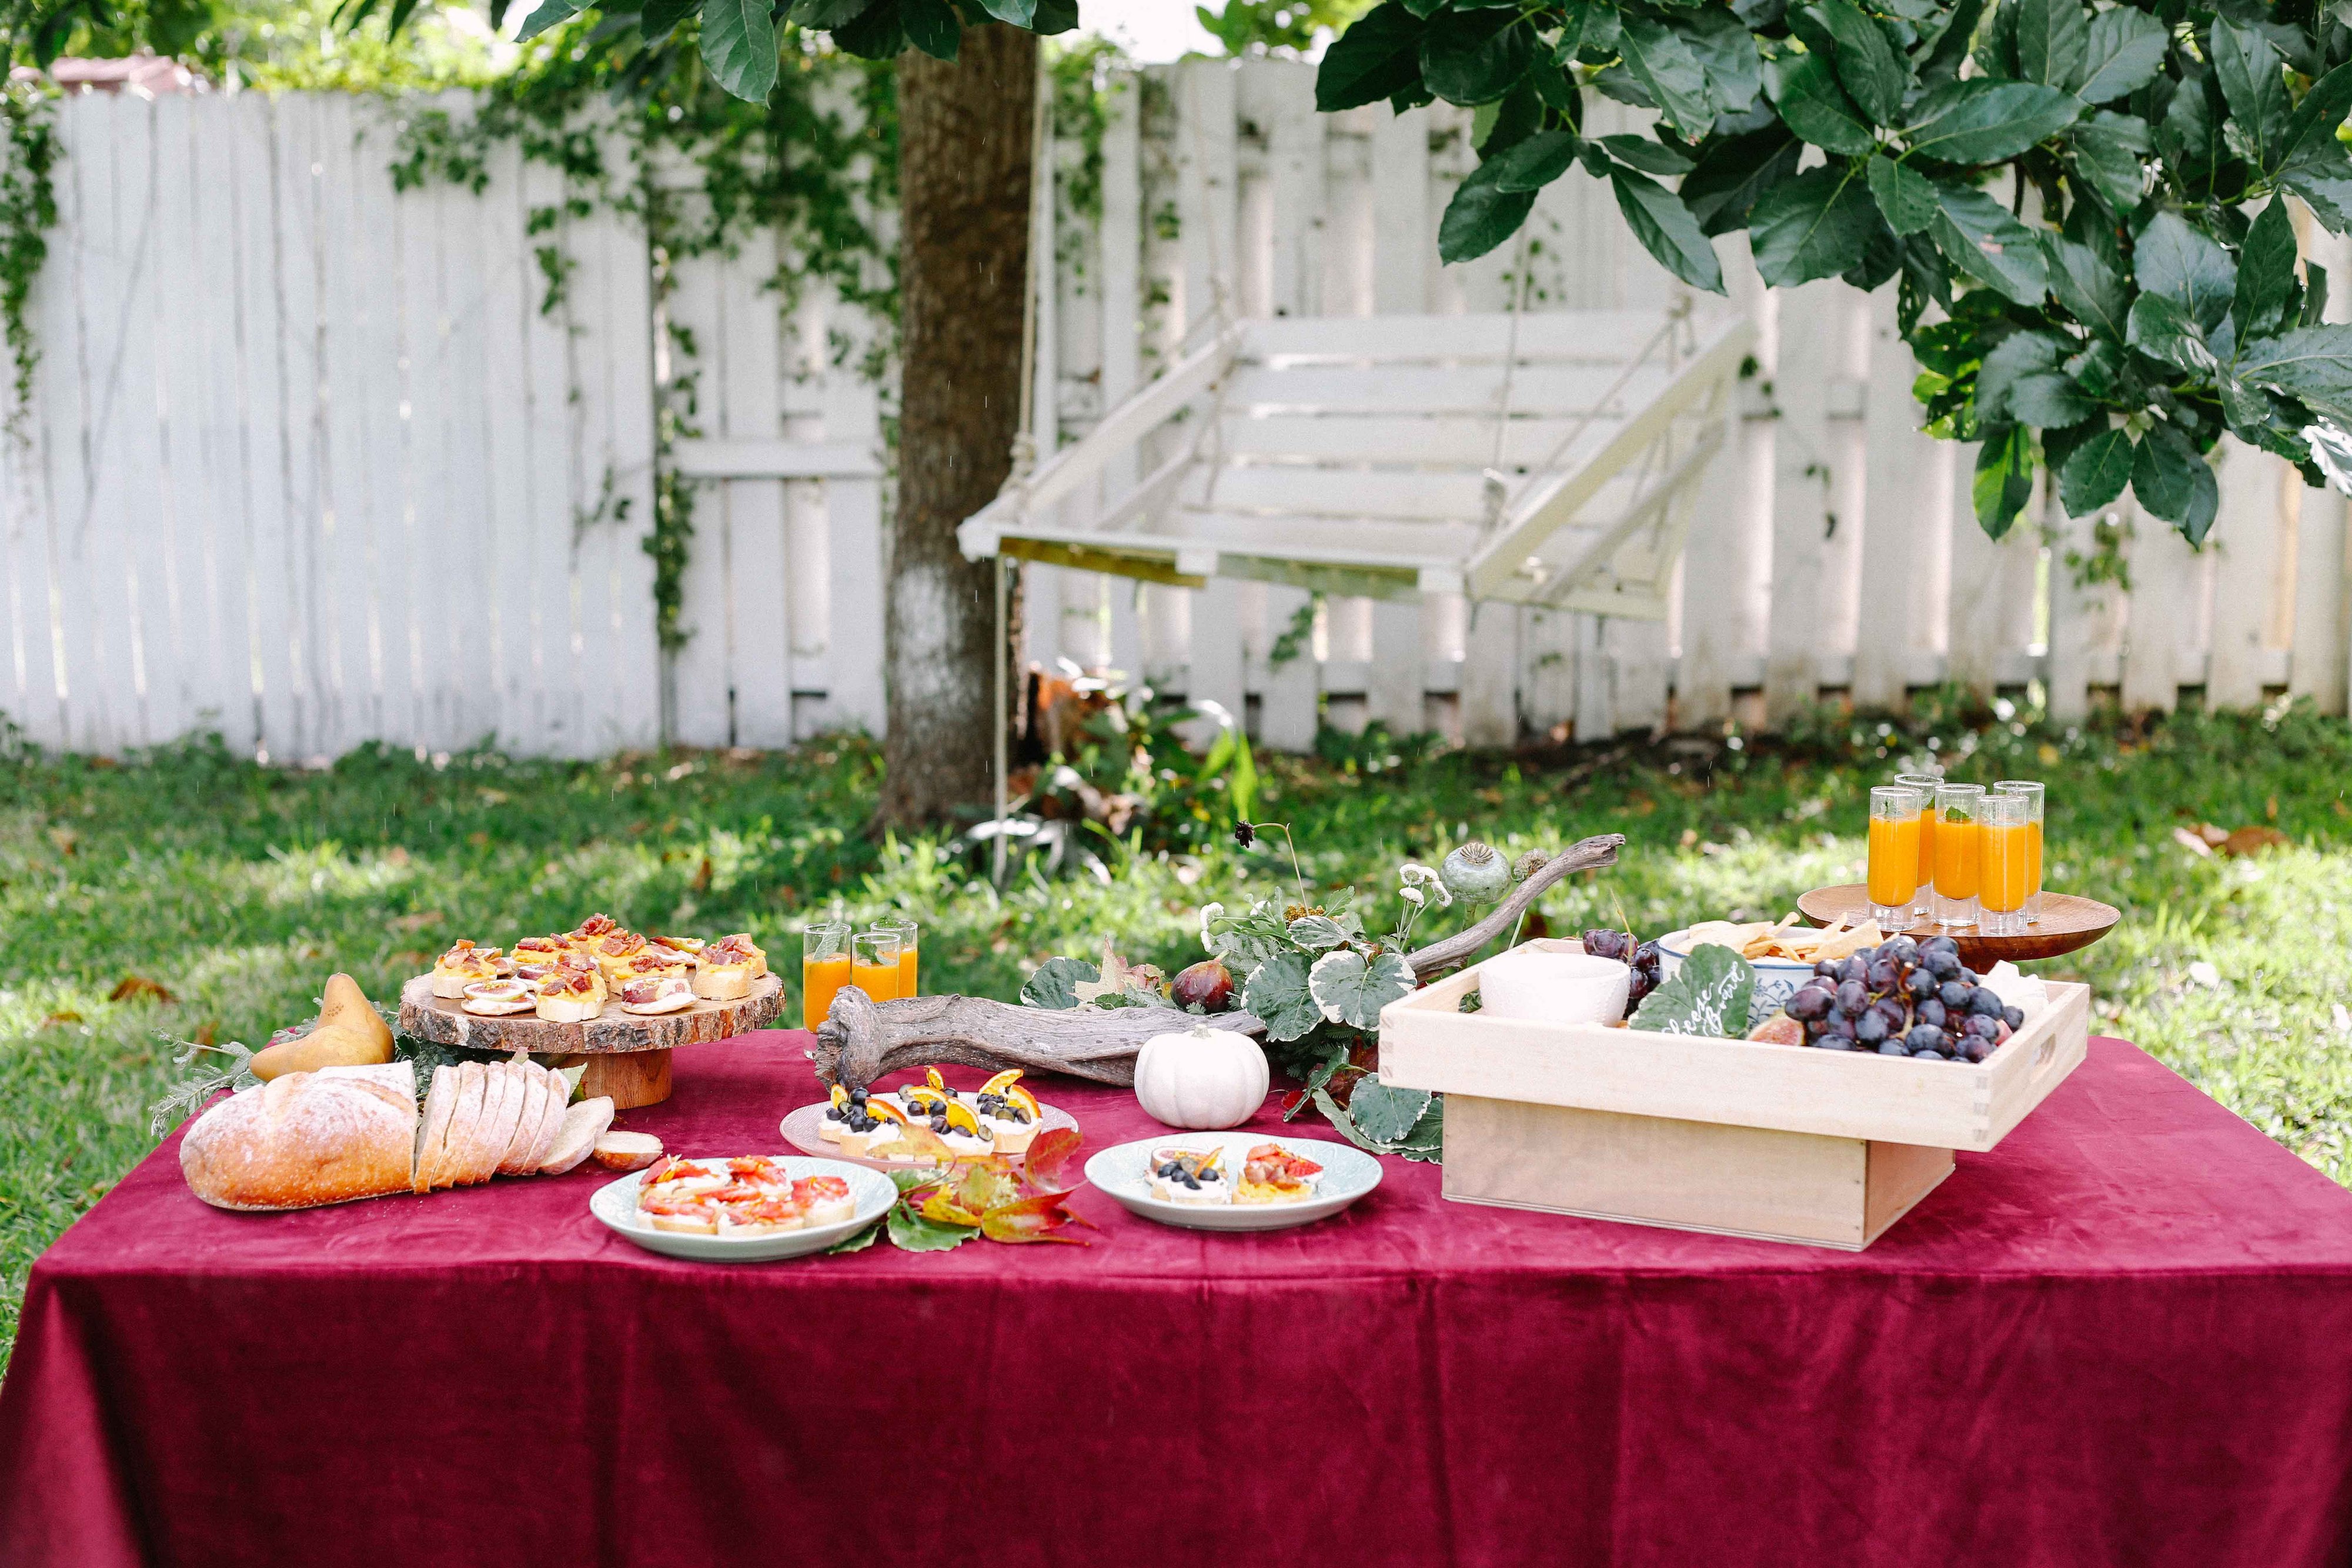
[
  {"x": 2067, "y": 923},
  {"x": 627, "y": 1056}
]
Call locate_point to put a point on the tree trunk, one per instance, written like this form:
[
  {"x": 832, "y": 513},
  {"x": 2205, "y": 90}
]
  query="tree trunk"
[{"x": 963, "y": 180}]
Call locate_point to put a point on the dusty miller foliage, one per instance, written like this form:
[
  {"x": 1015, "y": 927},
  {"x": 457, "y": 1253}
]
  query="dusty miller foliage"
[{"x": 2085, "y": 195}]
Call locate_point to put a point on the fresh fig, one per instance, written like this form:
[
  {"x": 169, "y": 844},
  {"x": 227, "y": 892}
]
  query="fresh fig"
[
  {"x": 1207, "y": 985},
  {"x": 1476, "y": 873},
  {"x": 1778, "y": 1030}
]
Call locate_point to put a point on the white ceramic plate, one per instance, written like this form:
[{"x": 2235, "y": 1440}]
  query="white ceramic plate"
[
  {"x": 615, "y": 1202},
  {"x": 800, "y": 1130},
  {"x": 1348, "y": 1174}
]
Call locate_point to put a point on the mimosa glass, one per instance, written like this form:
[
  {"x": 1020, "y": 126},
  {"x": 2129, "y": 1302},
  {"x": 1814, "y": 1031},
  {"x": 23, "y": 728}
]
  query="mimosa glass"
[
  {"x": 1894, "y": 813},
  {"x": 908, "y": 954},
  {"x": 2005, "y": 864},
  {"x": 1959, "y": 853},
  {"x": 874, "y": 964},
  {"x": 1927, "y": 784},
  {"x": 2034, "y": 792},
  {"x": 825, "y": 968}
]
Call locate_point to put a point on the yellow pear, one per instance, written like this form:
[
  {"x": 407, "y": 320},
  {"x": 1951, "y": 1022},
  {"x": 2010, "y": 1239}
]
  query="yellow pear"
[{"x": 350, "y": 1033}]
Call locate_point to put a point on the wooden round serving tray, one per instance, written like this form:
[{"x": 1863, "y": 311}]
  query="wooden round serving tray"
[
  {"x": 627, "y": 1057},
  {"x": 2067, "y": 923}
]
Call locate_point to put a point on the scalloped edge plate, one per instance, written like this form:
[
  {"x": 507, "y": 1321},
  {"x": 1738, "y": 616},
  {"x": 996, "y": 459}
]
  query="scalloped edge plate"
[
  {"x": 1349, "y": 1173},
  {"x": 615, "y": 1205}
]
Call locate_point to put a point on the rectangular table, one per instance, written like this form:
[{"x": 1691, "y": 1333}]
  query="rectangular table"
[{"x": 2123, "y": 1337}]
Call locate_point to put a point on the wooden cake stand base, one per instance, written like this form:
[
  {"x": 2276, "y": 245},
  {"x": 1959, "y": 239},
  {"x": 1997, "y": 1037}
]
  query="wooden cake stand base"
[
  {"x": 2067, "y": 923},
  {"x": 627, "y": 1057}
]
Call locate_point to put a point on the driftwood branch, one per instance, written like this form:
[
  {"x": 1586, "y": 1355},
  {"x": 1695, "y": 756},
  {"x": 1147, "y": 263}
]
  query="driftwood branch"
[
  {"x": 860, "y": 1041},
  {"x": 1590, "y": 855}
]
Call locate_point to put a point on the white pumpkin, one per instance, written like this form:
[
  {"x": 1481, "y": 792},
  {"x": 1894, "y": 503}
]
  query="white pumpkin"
[{"x": 1204, "y": 1078}]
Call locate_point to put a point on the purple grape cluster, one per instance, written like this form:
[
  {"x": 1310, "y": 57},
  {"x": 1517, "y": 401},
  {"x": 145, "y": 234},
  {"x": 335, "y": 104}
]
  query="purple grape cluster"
[
  {"x": 1903, "y": 999},
  {"x": 1643, "y": 959}
]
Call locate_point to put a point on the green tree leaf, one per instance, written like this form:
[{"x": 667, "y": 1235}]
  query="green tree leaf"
[
  {"x": 2123, "y": 49},
  {"x": 1984, "y": 121},
  {"x": 656, "y": 22},
  {"x": 1481, "y": 215},
  {"x": 1648, "y": 156},
  {"x": 1317, "y": 932},
  {"x": 1812, "y": 105},
  {"x": 1536, "y": 163},
  {"x": 1278, "y": 992},
  {"x": 2004, "y": 478},
  {"x": 1383, "y": 1115},
  {"x": 739, "y": 45},
  {"x": 2264, "y": 299},
  {"x": 2088, "y": 287},
  {"x": 1054, "y": 985},
  {"x": 2323, "y": 109},
  {"x": 2162, "y": 328},
  {"x": 1659, "y": 59},
  {"x": 1734, "y": 173},
  {"x": 1351, "y": 988},
  {"x": 2109, "y": 152},
  {"x": 1979, "y": 237},
  {"x": 2190, "y": 135},
  {"x": 1946, "y": 38},
  {"x": 1707, "y": 996},
  {"x": 1667, "y": 230},
  {"x": 2020, "y": 382},
  {"x": 2096, "y": 471},
  {"x": 2186, "y": 266},
  {"x": 1904, "y": 197},
  {"x": 1589, "y": 28},
  {"x": 1866, "y": 66},
  {"x": 1472, "y": 58},
  {"x": 2254, "y": 89},
  {"x": 911, "y": 1232},
  {"x": 931, "y": 26},
  {"x": 1814, "y": 226},
  {"x": 1378, "y": 58},
  {"x": 545, "y": 16},
  {"x": 2052, "y": 36},
  {"x": 1725, "y": 50},
  {"x": 2172, "y": 481},
  {"x": 2312, "y": 364}
]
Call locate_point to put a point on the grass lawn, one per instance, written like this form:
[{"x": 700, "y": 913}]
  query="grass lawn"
[{"x": 236, "y": 889}]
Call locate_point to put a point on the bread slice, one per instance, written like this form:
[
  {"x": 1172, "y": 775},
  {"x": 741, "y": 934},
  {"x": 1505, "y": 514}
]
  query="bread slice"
[
  {"x": 582, "y": 1124},
  {"x": 301, "y": 1140},
  {"x": 552, "y": 1118},
  {"x": 501, "y": 1106},
  {"x": 532, "y": 1117},
  {"x": 472, "y": 1085},
  {"x": 434, "y": 1126},
  {"x": 619, "y": 1151}
]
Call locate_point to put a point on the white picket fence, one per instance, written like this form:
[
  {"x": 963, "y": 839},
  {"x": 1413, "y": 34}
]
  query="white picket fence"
[{"x": 308, "y": 462}]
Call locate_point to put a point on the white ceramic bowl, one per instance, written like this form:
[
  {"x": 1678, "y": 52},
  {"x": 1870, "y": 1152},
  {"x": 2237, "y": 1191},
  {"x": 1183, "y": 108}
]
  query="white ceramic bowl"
[
  {"x": 1537, "y": 982},
  {"x": 1121, "y": 1173},
  {"x": 1777, "y": 980},
  {"x": 615, "y": 1202}
]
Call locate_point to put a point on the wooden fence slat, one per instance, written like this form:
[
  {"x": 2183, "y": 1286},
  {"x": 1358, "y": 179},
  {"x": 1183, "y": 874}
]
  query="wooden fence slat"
[
  {"x": 622, "y": 443},
  {"x": 223, "y": 437},
  {"x": 701, "y": 672},
  {"x": 514, "y": 541},
  {"x": 2160, "y": 604},
  {"x": 2253, "y": 538},
  {"x": 1287, "y": 699},
  {"x": 560, "y": 637},
  {"x": 1799, "y": 497},
  {"x": 2316, "y": 659},
  {"x": 1728, "y": 562}
]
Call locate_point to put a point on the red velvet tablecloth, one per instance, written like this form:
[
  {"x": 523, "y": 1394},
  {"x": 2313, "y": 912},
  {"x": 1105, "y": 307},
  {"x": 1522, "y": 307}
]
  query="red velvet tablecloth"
[{"x": 2123, "y": 1337}]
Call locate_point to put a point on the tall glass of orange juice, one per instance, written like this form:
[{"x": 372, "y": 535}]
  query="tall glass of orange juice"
[
  {"x": 907, "y": 956},
  {"x": 1959, "y": 853},
  {"x": 874, "y": 964},
  {"x": 1894, "y": 854},
  {"x": 2034, "y": 794},
  {"x": 2005, "y": 863},
  {"x": 1927, "y": 784},
  {"x": 825, "y": 968}
]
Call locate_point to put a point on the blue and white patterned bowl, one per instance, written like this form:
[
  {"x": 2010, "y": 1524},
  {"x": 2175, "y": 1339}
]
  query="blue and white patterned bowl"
[{"x": 1777, "y": 980}]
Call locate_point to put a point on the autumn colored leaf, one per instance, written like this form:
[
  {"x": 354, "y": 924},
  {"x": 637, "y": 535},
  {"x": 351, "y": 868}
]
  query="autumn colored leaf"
[
  {"x": 138, "y": 988},
  {"x": 985, "y": 1183},
  {"x": 1034, "y": 1218},
  {"x": 1046, "y": 1165},
  {"x": 942, "y": 1208}
]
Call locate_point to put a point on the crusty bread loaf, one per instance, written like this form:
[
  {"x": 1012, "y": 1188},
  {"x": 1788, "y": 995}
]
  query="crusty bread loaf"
[
  {"x": 582, "y": 1124},
  {"x": 302, "y": 1140}
]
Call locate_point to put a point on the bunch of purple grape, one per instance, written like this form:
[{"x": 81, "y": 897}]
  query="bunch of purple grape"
[
  {"x": 1643, "y": 960},
  {"x": 1903, "y": 999}
]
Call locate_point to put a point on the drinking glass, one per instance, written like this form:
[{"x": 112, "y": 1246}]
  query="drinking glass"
[
  {"x": 1894, "y": 812},
  {"x": 908, "y": 956},
  {"x": 2032, "y": 792},
  {"x": 2005, "y": 857},
  {"x": 1959, "y": 853},
  {"x": 1927, "y": 784},
  {"x": 825, "y": 968},
  {"x": 874, "y": 964}
]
